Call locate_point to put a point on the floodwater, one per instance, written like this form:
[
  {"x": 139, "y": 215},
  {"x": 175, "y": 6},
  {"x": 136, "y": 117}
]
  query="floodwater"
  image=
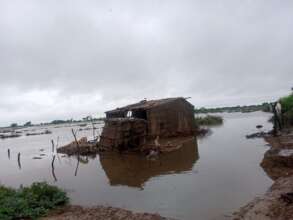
[{"x": 208, "y": 178}]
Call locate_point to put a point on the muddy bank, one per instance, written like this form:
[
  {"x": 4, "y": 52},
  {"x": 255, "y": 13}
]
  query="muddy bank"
[
  {"x": 277, "y": 203},
  {"x": 99, "y": 212},
  {"x": 278, "y": 160}
]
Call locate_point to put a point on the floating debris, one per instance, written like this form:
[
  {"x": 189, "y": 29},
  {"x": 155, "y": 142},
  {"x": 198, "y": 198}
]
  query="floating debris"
[
  {"x": 258, "y": 135},
  {"x": 39, "y": 133},
  {"x": 14, "y": 135},
  {"x": 37, "y": 158}
]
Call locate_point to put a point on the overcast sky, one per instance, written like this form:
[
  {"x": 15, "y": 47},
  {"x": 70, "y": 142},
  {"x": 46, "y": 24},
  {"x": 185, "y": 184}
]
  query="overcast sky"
[{"x": 68, "y": 59}]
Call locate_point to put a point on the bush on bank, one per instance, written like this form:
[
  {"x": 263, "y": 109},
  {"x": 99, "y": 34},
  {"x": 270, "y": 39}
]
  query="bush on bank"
[
  {"x": 30, "y": 202},
  {"x": 287, "y": 103},
  {"x": 209, "y": 120}
]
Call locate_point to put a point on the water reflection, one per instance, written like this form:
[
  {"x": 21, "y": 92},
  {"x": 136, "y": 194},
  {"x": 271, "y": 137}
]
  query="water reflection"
[
  {"x": 83, "y": 160},
  {"x": 178, "y": 185},
  {"x": 135, "y": 170}
]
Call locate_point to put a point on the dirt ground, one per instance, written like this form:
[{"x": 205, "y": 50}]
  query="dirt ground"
[
  {"x": 275, "y": 204},
  {"x": 99, "y": 213}
]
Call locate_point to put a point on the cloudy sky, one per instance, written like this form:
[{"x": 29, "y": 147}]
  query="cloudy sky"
[{"x": 70, "y": 58}]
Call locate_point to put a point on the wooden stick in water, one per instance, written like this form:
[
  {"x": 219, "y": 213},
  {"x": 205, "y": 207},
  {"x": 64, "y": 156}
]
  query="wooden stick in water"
[
  {"x": 53, "y": 145},
  {"x": 18, "y": 160}
]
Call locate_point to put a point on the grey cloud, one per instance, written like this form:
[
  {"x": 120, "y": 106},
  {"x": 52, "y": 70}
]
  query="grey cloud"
[{"x": 218, "y": 52}]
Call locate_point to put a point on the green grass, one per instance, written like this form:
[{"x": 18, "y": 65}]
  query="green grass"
[
  {"x": 287, "y": 103},
  {"x": 30, "y": 202},
  {"x": 209, "y": 120}
]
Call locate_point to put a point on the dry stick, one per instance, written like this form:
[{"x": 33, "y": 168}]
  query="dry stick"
[
  {"x": 77, "y": 145},
  {"x": 18, "y": 160},
  {"x": 53, "y": 160},
  {"x": 77, "y": 166},
  {"x": 53, "y": 145},
  {"x": 53, "y": 169}
]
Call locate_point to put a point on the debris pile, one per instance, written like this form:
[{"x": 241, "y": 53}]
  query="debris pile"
[
  {"x": 261, "y": 134},
  {"x": 39, "y": 133},
  {"x": 81, "y": 147},
  {"x": 12, "y": 135}
]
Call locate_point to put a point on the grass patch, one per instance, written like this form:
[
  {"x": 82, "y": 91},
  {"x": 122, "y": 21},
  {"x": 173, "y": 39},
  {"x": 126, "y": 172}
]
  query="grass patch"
[
  {"x": 209, "y": 120},
  {"x": 30, "y": 202}
]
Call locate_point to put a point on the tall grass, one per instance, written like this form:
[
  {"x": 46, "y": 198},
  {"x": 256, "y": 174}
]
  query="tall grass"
[
  {"x": 209, "y": 120},
  {"x": 287, "y": 103}
]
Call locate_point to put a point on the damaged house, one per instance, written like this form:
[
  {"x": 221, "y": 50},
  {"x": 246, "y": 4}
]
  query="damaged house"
[{"x": 136, "y": 125}]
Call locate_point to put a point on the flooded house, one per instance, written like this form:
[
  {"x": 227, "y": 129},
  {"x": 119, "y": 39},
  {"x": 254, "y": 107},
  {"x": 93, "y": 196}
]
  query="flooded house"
[{"x": 148, "y": 123}]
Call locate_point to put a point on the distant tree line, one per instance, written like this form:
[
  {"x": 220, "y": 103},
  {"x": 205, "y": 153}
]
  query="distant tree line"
[
  {"x": 56, "y": 122},
  {"x": 265, "y": 107}
]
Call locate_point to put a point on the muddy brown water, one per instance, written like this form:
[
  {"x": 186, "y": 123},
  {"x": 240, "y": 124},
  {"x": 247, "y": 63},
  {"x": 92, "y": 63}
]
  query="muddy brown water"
[{"x": 208, "y": 178}]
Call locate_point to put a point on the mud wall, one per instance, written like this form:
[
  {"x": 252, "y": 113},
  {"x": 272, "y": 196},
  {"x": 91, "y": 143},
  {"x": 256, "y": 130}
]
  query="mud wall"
[
  {"x": 174, "y": 119},
  {"x": 123, "y": 133}
]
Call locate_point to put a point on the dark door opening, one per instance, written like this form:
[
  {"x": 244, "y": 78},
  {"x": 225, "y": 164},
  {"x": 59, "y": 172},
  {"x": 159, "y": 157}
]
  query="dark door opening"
[{"x": 139, "y": 114}]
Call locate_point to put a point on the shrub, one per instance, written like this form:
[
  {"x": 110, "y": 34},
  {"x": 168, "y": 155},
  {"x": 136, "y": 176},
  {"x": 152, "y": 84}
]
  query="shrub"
[
  {"x": 30, "y": 202},
  {"x": 209, "y": 120},
  {"x": 287, "y": 103},
  {"x": 288, "y": 118}
]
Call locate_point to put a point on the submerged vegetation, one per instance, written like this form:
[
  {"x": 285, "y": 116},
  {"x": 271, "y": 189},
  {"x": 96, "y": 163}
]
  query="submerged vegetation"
[
  {"x": 209, "y": 120},
  {"x": 30, "y": 202}
]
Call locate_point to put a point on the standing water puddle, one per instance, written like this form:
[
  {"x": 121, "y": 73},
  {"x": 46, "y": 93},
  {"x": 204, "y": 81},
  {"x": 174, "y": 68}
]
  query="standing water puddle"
[{"x": 209, "y": 178}]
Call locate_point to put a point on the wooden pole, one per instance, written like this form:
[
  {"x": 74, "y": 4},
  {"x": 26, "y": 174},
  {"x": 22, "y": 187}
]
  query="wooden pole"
[
  {"x": 77, "y": 144},
  {"x": 18, "y": 160},
  {"x": 77, "y": 166},
  {"x": 53, "y": 160},
  {"x": 53, "y": 169},
  {"x": 78, "y": 152}
]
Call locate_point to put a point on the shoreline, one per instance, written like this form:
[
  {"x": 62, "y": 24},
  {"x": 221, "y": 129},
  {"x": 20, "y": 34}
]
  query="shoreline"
[
  {"x": 278, "y": 164},
  {"x": 72, "y": 212}
]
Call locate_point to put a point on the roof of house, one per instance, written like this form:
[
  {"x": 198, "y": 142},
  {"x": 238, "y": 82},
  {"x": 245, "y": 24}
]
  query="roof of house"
[{"x": 144, "y": 104}]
